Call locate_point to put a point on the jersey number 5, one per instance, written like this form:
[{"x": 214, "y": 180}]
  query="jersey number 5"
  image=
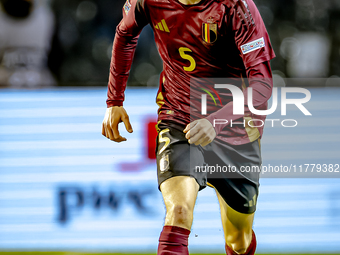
[
  {"x": 164, "y": 139},
  {"x": 184, "y": 55}
]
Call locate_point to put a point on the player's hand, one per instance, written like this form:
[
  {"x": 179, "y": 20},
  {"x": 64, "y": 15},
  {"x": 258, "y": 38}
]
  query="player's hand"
[
  {"x": 113, "y": 116},
  {"x": 200, "y": 132}
]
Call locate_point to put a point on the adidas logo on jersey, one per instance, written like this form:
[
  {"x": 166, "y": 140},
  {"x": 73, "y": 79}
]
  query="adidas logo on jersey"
[{"x": 162, "y": 26}]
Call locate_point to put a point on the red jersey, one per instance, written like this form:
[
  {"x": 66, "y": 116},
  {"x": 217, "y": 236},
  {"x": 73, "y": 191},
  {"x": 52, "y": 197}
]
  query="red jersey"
[{"x": 214, "y": 38}]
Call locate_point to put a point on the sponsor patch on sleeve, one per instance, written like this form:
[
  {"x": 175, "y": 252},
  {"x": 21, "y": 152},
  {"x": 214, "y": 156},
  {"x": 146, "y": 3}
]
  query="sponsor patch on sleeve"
[
  {"x": 254, "y": 45},
  {"x": 127, "y": 7}
]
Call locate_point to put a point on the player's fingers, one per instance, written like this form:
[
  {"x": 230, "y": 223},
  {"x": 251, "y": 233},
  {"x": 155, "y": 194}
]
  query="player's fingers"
[
  {"x": 114, "y": 138},
  {"x": 196, "y": 137},
  {"x": 187, "y": 128},
  {"x": 193, "y": 129},
  {"x": 108, "y": 133},
  {"x": 201, "y": 140},
  {"x": 206, "y": 142},
  {"x": 127, "y": 124},
  {"x": 115, "y": 131},
  {"x": 103, "y": 130},
  {"x": 120, "y": 139}
]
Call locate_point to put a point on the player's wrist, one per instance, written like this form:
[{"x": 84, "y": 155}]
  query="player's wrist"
[{"x": 112, "y": 103}]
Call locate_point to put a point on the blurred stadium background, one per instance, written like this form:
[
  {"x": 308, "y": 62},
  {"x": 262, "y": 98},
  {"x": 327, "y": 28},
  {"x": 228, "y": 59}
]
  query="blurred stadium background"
[{"x": 64, "y": 188}]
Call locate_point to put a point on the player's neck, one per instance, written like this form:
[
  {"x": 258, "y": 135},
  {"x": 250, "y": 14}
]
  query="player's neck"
[{"x": 189, "y": 2}]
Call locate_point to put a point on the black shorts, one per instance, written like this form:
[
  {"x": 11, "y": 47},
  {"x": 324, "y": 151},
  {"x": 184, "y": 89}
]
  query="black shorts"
[{"x": 232, "y": 169}]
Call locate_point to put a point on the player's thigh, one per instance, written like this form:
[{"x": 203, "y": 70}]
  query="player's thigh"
[
  {"x": 178, "y": 179},
  {"x": 232, "y": 220},
  {"x": 238, "y": 189},
  {"x": 176, "y": 157}
]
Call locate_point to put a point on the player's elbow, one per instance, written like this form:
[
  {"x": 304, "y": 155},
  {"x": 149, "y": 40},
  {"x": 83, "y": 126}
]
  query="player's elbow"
[{"x": 259, "y": 97}]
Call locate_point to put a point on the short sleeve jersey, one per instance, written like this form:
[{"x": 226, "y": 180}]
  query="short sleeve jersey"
[{"x": 214, "y": 38}]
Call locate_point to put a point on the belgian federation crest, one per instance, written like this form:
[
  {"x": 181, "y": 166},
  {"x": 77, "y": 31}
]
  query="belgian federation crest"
[{"x": 209, "y": 31}]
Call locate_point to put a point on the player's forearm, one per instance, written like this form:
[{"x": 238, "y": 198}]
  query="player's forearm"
[
  {"x": 123, "y": 50},
  {"x": 260, "y": 80}
]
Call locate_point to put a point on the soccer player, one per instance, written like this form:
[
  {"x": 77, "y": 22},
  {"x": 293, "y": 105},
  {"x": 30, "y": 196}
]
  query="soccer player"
[{"x": 199, "y": 39}]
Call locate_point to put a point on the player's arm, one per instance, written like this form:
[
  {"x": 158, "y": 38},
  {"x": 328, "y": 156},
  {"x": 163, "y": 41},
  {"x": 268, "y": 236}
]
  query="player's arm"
[
  {"x": 200, "y": 132},
  {"x": 260, "y": 80},
  {"x": 245, "y": 22},
  {"x": 124, "y": 46}
]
